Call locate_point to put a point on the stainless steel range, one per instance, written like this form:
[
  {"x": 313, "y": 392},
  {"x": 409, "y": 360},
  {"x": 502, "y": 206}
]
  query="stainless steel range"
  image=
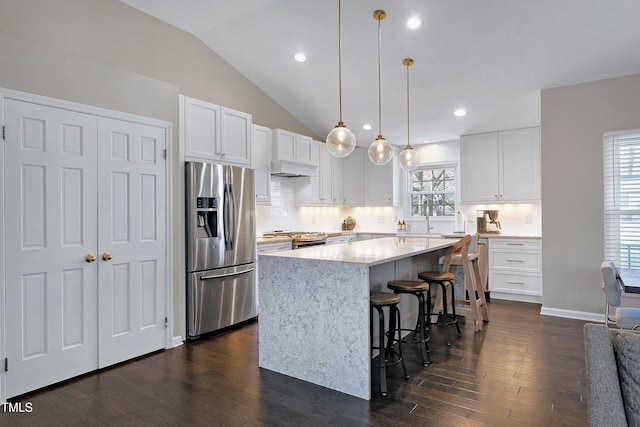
[
  {"x": 304, "y": 240},
  {"x": 301, "y": 239}
]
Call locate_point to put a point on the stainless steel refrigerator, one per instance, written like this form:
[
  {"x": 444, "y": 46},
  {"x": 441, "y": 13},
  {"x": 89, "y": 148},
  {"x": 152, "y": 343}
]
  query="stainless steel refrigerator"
[{"x": 220, "y": 247}]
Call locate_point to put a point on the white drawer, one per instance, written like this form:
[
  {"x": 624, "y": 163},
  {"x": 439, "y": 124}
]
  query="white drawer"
[
  {"x": 345, "y": 238},
  {"x": 515, "y": 260},
  {"x": 273, "y": 247},
  {"x": 515, "y": 244},
  {"x": 520, "y": 283}
]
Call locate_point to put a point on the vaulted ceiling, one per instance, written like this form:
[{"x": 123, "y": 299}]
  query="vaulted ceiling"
[{"x": 490, "y": 57}]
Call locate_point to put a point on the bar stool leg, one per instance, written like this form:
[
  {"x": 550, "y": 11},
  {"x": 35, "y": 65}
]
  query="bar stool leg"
[
  {"x": 424, "y": 347},
  {"x": 399, "y": 331},
  {"x": 445, "y": 312},
  {"x": 382, "y": 355},
  {"x": 453, "y": 308}
]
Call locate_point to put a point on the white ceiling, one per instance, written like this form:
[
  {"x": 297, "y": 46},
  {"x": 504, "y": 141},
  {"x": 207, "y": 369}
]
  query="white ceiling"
[{"x": 491, "y": 57}]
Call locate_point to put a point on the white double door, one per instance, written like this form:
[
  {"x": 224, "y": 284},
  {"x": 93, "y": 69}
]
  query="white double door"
[{"x": 85, "y": 243}]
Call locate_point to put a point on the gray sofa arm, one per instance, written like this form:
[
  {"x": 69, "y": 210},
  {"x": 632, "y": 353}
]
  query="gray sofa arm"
[{"x": 605, "y": 398}]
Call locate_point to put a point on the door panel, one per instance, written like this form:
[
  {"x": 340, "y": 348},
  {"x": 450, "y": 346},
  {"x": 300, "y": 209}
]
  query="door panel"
[
  {"x": 132, "y": 230},
  {"x": 51, "y": 290}
]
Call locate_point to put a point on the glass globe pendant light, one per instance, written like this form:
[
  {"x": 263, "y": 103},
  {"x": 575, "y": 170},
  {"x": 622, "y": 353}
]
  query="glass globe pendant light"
[
  {"x": 340, "y": 141},
  {"x": 380, "y": 151},
  {"x": 409, "y": 157}
]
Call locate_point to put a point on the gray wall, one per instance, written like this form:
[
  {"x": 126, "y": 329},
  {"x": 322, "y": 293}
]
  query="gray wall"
[
  {"x": 107, "y": 54},
  {"x": 574, "y": 119}
]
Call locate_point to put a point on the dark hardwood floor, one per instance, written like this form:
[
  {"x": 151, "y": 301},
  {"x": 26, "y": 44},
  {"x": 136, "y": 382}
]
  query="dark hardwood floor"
[{"x": 523, "y": 369}]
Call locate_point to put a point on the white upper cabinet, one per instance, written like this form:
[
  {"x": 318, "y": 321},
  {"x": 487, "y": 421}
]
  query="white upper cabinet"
[
  {"x": 520, "y": 164},
  {"x": 235, "y": 137},
  {"x": 216, "y": 134},
  {"x": 500, "y": 166},
  {"x": 201, "y": 129},
  {"x": 353, "y": 178},
  {"x": 292, "y": 154},
  {"x": 262, "y": 163},
  {"x": 382, "y": 183},
  {"x": 326, "y": 187}
]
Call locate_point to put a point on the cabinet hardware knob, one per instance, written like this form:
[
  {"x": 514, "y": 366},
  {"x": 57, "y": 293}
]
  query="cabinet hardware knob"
[
  {"x": 106, "y": 256},
  {"x": 90, "y": 258}
]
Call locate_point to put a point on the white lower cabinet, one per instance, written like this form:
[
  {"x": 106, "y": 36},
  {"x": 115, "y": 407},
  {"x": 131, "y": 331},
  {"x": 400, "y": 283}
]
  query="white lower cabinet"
[
  {"x": 515, "y": 269},
  {"x": 263, "y": 248},
  {"x": 344, "y": 238}
]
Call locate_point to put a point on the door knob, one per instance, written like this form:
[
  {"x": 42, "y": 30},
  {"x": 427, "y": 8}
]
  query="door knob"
[
  {"x": 90, "y": 258},
  {"x": 106, "y": 256}
]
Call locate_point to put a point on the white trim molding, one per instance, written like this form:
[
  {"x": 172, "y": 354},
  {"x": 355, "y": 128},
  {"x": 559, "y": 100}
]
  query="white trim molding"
[{"x": 573, "y": 314}]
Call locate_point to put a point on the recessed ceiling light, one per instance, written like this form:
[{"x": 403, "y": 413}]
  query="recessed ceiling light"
[
  {"x": 300, "y": 57},
  {"x": 413, "y": 22},
  {"x": 460, "y": 112},
  {"x": 366, "y": 126}
]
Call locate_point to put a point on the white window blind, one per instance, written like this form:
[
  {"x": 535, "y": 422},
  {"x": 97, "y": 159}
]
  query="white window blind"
[{"x": 622, "y": 198}]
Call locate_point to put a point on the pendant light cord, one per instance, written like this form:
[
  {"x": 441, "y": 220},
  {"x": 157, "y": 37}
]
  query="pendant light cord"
[
  {"x": 408, "y": 138},
  {"x": 379, "y": 78},
  {"x": 340, "y": 59}
]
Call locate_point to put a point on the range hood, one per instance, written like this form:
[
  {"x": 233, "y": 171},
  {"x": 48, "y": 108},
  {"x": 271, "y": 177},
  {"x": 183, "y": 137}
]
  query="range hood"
[{"x": 292, "y": 169}]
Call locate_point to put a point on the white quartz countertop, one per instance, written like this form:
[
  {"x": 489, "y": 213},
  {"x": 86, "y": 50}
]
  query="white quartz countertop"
[{"x": 369, "y": 252}]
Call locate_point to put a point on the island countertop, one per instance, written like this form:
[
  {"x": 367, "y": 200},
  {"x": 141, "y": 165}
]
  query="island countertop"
[{"x": 369, "y": 252}]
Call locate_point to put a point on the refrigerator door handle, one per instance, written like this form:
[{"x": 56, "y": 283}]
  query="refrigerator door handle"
[
  {"x": 232, "y": 216},
  {"x": 226, "y": 213},
  {"x": 235, "y": 273}
]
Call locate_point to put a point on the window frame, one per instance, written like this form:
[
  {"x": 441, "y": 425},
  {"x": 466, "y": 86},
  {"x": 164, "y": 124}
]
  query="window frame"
[
  {"x": 622, "y": 223},
  {"x": 409, "y": 190}
]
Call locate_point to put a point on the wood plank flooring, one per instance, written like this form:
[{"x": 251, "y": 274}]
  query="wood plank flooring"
[{"x": 523, "y": 369}]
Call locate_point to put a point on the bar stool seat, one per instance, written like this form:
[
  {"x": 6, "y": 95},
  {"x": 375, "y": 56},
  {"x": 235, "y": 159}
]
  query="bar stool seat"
[
  {"x": 418, "y": 289},
  {"x": 388, "y": 356}
]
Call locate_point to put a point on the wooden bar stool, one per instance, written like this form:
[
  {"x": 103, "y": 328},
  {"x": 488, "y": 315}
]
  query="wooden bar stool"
[
  {"x": 388, "y": 356},
  {"x": 475, "y": 303},
  {"x": 418, "y": 289}
]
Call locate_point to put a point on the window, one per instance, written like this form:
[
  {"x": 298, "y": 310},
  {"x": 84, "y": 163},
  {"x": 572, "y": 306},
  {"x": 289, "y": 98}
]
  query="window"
[
  {"x": 622, "y": 198},
  {"x": 432, "y": 191}
]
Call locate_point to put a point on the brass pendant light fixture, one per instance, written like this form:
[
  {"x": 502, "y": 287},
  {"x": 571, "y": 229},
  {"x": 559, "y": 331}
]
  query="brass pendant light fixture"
[
  {"x": 380, "y": 150},
  {"x": 340, "y": 141},
  {"x": 409, "y": 158}
]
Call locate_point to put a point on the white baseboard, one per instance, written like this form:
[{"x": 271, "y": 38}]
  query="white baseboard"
[
  {"x": 573, "y": 314},
  {"x": 177, "y": 341}
]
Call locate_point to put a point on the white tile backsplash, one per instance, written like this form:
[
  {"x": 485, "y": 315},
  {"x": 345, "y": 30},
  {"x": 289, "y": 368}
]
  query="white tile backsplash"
[{"x": 284, "y": 215}]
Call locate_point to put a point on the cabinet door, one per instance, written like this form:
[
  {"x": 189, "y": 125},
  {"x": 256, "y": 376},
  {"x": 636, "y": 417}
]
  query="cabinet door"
[
  {"x": 479, "y": 167},
  {"x": 235, "y": 137},
  {"x": 201, "y": 129},
  {"x": 284, "y": 144},
  {"x": 312, "y": 194},
  {"x": 303, "y": 150},
  {"x": 353, "y": 178},
  {"x": 381, "y": 182},
  {"x": 520, "y": 164},
  {"x": 336, "y": 178},
  {"x": 262, "y": 163},
  {"x": 326, "y": 176}
]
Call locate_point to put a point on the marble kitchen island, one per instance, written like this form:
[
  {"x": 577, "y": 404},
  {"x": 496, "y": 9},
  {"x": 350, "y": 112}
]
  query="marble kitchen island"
[{"x": 314, "y": 306}]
